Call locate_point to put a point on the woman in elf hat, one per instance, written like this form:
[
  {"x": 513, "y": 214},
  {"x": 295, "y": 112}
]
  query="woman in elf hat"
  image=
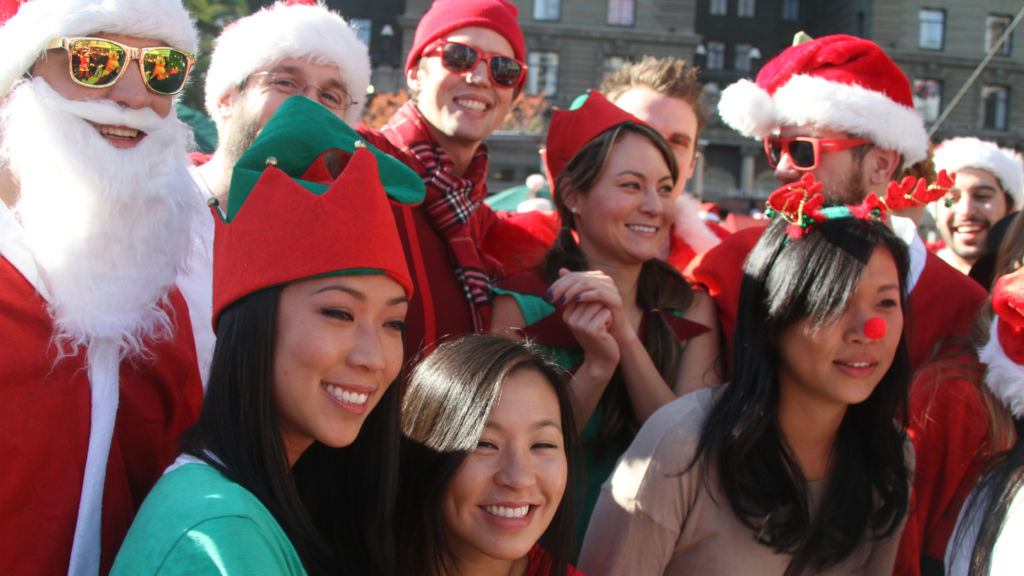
[
  {"x": 991, "y": 524},
  {"x": 487, "y": 467},
  {"x": 292, "y": 467},
  {"x": 604, "y": 305},
  {"x": 798, "y": 465}
]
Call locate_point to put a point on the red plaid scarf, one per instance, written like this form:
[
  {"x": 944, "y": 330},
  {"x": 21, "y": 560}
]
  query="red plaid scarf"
[{"x": 449, "y": 204}]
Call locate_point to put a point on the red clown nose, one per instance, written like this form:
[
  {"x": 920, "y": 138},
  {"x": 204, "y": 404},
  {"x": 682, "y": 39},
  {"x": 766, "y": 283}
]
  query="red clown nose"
[{"x": 874, "y": 328}]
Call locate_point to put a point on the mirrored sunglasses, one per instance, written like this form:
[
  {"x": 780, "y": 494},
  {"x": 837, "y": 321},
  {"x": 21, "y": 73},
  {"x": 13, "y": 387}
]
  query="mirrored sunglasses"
[{"x": 99, "y": 63}]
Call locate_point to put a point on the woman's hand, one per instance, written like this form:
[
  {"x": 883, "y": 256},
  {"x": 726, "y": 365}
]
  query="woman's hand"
[
  {"x": 590, "y": 323},
  {"x": 594, "y": 287}
]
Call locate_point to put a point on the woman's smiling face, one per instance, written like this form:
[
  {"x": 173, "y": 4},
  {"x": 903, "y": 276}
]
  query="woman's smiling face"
[{"x": 337, "y": 349}]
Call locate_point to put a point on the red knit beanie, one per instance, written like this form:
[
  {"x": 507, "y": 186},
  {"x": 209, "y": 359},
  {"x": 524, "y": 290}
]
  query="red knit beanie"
[{"x": 447, "y": 16}]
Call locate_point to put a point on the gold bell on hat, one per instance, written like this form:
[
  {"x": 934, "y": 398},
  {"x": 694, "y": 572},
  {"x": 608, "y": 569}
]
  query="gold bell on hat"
[
  {"x": 271, "y": 161},
  {"x": 360, "y": 144},
  {"x": 212, "y": 202}
]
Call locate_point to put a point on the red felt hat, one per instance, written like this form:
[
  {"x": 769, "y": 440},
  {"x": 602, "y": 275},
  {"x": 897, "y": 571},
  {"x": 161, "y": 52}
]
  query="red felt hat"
[
  {"x": 335, "y": 218},
  {"x": 1004, "y": 352},
  {"x": 840, "y": 83},
  {"x": 589, "y": 116},
  {"x": 447, "y": 16}
]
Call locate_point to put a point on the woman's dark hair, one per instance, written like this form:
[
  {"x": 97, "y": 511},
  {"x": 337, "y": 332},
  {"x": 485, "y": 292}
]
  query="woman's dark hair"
[
  {"x": 660, "y": 285},
  {"x": 448, "y": 401},
  {"x": 238, "y": 434},
  {"x": 989, "y": 506},
  {"x": 786, "y": 281}
]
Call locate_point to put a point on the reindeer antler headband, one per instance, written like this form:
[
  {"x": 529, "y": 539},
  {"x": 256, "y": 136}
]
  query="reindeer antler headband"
[{"x": 800, "y": 203}]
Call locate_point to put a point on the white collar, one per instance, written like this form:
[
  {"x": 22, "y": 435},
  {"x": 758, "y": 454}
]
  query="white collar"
[
  {"x": 906, "y": 230},
  {"x": 15, "y": 249}
]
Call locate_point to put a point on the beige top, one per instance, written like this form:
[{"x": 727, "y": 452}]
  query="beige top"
[{"x": 653, "y": 519}]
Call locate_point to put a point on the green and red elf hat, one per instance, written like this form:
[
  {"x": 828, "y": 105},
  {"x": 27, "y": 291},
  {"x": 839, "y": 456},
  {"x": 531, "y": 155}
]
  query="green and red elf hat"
[
  {"x": 309, "y": 199},
  {"x": 572, "y": 129}
]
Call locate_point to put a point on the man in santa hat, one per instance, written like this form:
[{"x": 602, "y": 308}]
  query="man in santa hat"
[
  {"x": 989, "y": 185},
  {"x": 98, "y": 373},
  {"x": 665, "y": 93},
  {"x": 466, "y": 66},
  {"x": 840, "y": 108},
  {"x": 293, "y": 48}
]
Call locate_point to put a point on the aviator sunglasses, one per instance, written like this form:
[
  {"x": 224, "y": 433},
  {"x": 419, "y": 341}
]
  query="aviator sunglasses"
[
  {"x": 99, "y": 63},
  {"x": 461, "y": 58},
  {"x": 805, "y": 152}
]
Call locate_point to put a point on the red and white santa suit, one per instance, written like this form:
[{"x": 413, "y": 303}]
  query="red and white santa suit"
[
  {"x": 98, "y": 374},
  {"x": 844, "y": 84}
]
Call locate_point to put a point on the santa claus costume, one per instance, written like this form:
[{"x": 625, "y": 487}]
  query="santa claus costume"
[
  {"x": 300, "y": 29},
  {"x": 97, "y": 372},
  {"x": 844, "y": 84}
]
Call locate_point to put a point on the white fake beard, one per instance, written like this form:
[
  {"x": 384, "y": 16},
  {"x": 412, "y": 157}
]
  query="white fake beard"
[{"x": 109, "y": 228}]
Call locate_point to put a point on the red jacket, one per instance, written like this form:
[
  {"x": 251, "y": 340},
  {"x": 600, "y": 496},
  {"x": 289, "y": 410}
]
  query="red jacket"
[{"x": 44, "y": 432}]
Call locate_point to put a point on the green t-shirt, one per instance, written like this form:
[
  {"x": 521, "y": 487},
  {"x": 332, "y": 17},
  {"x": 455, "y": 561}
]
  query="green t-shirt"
[{"x": 195, "y": 521}]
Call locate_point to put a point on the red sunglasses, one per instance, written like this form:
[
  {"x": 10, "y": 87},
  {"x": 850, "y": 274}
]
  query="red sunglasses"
[
  {"x": 805, "y": 152},
  {"x": 462, "y": 58}
]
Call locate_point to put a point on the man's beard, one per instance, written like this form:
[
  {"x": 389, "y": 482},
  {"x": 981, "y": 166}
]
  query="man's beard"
[
  {"x": 109, "y": 228},
  {"x": 241, "y": 132},
  {"x": 850, "y": 190}
]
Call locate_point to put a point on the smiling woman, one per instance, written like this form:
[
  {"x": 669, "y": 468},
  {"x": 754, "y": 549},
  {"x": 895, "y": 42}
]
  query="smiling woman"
[{"x": 301, "y": 410}]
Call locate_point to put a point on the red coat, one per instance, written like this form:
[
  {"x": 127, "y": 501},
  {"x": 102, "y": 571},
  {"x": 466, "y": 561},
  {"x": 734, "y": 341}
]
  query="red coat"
[
  {"x": 44, "y": 432},
  {"x": 949, "y": 427},
  {"x": 943, "y": 300}
]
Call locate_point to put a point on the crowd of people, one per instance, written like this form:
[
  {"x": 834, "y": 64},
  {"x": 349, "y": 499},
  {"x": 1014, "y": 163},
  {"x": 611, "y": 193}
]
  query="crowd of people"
[{"x": 319, "y": 351}]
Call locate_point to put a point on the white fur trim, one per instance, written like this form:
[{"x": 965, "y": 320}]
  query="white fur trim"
[
  {"x": 104, "y": 380},
  {"x": 24, "y": 37},
  {"x": 14, "y": 248},
  {"x": 690, "y": 228},
  {"x": 263, "y": 39},
  {"x": 1003, "y": 163},
  {"x": 1005, "y": 378},
  {"x": 812, "y": 100},
  {"x": 748, "y": 109}
]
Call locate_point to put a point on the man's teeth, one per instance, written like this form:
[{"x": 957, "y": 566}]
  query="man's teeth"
[
  {"x": 503, "y": 512},
  {"x": 640, "y": 228},
  {"x": 471, "y": 104},
  {"x": 118, "y": 132},
  {"x": 970, "y": 228},
  {"x": 346, "y": 396}
]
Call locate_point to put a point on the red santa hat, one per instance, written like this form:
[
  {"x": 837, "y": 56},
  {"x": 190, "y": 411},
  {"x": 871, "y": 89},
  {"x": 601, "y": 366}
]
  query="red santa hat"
[
  {"x": 1004, "y": 352},
  {"x": 27, "y": 26},
  {"x": 304, "y": 199},
  {"x": 447, "y": 16},
  {"x": 1005, "y": 164},
  {"x": 289, "y": 29},
  {"x": 840, "y": 83}
]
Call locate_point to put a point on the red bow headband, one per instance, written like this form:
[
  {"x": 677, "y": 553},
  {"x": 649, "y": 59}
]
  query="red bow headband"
[{"x": 800, "y": 203}]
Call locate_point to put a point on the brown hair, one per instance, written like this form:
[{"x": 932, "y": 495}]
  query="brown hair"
[
  {"x": 668, "y": 76},
  {"x": 660, "y": 285}
]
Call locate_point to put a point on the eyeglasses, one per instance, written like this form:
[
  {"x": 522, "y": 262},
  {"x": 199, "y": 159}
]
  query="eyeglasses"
[
  {"x": 285, "y": 83},
  {"x": 461, "y": 58},
  {"x": 805, "y": 152},
  {"x": 99, "y": 63}
]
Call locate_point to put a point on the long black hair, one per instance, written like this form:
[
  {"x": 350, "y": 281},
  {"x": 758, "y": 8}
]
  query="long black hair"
[
  {"x": 660, "y": 285},
  {"x": 785, "y": 282},
  {"x": 238, "y": 434},
  {"x": 450, "y": 396}
]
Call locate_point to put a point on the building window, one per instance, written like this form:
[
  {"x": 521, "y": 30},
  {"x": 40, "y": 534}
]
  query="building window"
[
  {"x": 933, "y": 28},
  {"x": 790, "y": 9},
  {"x": 620, "y": 12},
  {"x": 362, "y": 28},
  {"x": 543, "y": 73},
  {"x": 719, "y": 7},
  {"x": 995, "y": 106},
  {"x": 743, "y": 57},
  {"x": 928, "y": 98},
  {"x": 716, "y": 55},
  {"x": 745, "y": 9},
  {"x": 612, "y": 64},
  {"x": 995, "y": 26},
  {"x": 547, "y": 9}
]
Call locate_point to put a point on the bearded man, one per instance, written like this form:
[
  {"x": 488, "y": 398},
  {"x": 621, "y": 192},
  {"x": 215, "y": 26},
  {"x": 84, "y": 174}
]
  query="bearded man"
[{"x": 97, "y": 369}]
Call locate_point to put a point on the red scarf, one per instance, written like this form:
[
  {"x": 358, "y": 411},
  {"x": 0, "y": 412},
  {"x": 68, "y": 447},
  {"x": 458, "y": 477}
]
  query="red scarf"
[{"x": 449, "y": 204}]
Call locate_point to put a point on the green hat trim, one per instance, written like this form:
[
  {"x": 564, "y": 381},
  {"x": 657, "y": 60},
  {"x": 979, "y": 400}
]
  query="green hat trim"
[
  {"x": 579, "y": 101},
  {"x": 300, "y": 132}
]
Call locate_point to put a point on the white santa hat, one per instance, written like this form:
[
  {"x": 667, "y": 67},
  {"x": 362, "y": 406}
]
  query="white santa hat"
[
  {"x": 289, "y": 29},
  {"x": 1005, "y": 164},
  {"x": 839, "y": 83},
  {"x": 27, "y": 26},
  {"x": 1004, "y": 352}
]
